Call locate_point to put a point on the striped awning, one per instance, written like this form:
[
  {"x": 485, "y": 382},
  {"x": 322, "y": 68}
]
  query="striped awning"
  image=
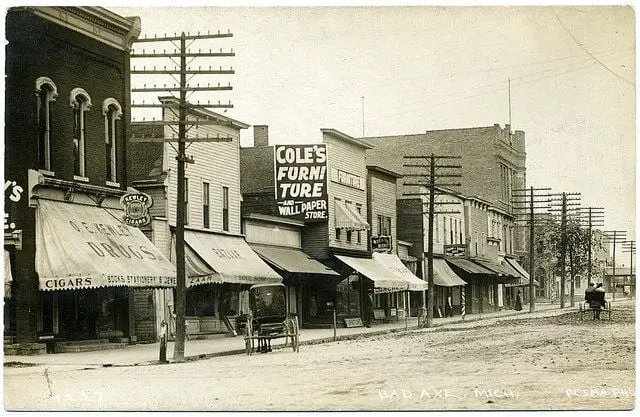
[{"x": 348, "y": 219}]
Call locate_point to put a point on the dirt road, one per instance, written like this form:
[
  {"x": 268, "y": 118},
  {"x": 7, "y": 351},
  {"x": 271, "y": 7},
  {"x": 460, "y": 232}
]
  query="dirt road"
[{"x": 542, "y": 364}]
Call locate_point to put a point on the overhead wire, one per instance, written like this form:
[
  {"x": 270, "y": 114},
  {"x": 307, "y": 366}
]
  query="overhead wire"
[
  {"x": 487, "y": 88},
  {"x": 587, "y": 51}
]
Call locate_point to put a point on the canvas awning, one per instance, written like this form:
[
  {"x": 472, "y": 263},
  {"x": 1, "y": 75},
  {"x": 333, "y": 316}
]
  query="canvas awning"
[
  {"x": 383, "y": 279},
  {"x": 231, "y": 258},
  {"x": 348, "y": 219},
  {"x": 8, "y": 277},
  {"x": 292, "y": 260},
  {"x": 80, "y": 246},
  {"x": 469, "y": 267},
  {"x": 197, "y": 272},
  {"x": 497, "y": 269},
  {"x": 444, "y": 276},
  {"x": 522, "y": 273},
  {"x": 395, "y": 265}
]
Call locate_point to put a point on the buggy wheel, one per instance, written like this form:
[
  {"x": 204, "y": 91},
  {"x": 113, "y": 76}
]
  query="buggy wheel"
[{"x": 248, "y": 340}]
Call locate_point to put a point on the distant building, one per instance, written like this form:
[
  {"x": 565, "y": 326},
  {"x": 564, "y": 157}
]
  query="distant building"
[
  {"x": 624, "y": 281},
  {"x": 493, "y": 161}
]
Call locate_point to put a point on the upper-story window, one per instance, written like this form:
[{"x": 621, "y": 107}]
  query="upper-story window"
[
  {"x": 225, "y": 209},
  {"x": 359, "y": 210},
  {"x": 112, "y": 111},
  {"x": 451, "y": 237},
  {"x": 205, "y": 205},
  {"x": 384, "y": 225},
  {"x": 46, "y": 93},
  {"x": 186, "y": 201},
  {"x": 81, "y": 103}
]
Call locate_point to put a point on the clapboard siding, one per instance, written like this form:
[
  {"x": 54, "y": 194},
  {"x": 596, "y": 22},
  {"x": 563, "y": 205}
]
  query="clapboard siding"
[
  {"x": 349, "y": 158},
  {"x": 383, "y": 202},
  {"x": 315, "y": 240},
  {"x": 411, "y": 224},
  {"x": 217, "y": 163}
]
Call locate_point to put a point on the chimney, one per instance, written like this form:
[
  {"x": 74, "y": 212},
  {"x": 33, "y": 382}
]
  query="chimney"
[{"x": 260, "y": 135}]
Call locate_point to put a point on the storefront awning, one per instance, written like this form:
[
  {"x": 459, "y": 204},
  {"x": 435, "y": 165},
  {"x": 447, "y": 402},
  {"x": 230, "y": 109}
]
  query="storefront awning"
[
  {"x": 197, "y": 272},
  {"x": 522, "y": 273},
  {"x": 292, "y": 260},
  {"x": 383, "y": 279},
  {"x": 496, "y": 269},
  {"x": 80, "y": 246},
  {"x": 444, "y": 276},
  {"x": 469, "y": 267},
  {"x": 349, "y": 219},
  {"x": 231, "y": 257},
  {"x": 395, "y": 265},
  {"x": 8, "y": 277}
]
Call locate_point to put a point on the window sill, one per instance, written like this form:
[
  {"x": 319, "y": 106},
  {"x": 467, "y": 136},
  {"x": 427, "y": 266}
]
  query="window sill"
[
  {"x": 81, "y": 179},
  {"x": 113, "y": 184},
  {"x": 47, "y": 173}
]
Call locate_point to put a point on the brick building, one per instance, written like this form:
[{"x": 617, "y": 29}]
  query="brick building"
[
  {"x": 74, "y": 262},
  {"x": 493, "y": 165}
]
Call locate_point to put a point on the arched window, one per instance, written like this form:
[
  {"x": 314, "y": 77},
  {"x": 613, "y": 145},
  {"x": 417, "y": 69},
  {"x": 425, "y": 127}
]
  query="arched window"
[
  {"x": 81, "y": 103},
  {"x": 112, "y": 111},
  {"x": 46, "y": 92}
]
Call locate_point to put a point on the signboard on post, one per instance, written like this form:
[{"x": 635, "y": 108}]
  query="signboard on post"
[{"x": 301, "y": 182}]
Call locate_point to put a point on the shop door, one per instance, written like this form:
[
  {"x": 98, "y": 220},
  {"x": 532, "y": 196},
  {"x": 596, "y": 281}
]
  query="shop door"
[{"x": 78, "y": 310}]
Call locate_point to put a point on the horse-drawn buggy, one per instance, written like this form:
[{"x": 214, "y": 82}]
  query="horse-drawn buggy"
[
  {"x": 268, "y": 319},
  {"x": 595, "y": 302}
]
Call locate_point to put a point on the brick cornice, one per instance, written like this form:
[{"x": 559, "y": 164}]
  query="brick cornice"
[{"x": 95, "y": 22}]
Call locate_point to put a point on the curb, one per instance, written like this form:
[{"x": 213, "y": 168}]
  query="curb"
[{"x": 475, "y": 318}]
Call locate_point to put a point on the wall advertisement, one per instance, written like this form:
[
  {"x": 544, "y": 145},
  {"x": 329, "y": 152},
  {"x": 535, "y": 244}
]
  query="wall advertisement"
[{"x": 301, "y": 182}]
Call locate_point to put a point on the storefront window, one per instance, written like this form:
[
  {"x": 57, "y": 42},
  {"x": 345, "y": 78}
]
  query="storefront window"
[
  {"x": 202, "y": 300},
  {"x": 348, "y": 296}
]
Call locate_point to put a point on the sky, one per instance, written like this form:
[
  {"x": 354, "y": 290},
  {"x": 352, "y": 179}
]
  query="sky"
[{"x": 403, "y": 70}]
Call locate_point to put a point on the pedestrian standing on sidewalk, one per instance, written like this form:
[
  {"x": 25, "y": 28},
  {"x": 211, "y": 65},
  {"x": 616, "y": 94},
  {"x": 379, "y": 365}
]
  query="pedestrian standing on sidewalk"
[
  {"x": 368, "y": 308},
  {"x": 518, "y": 306},
  {"x": 448, "y": 308}
]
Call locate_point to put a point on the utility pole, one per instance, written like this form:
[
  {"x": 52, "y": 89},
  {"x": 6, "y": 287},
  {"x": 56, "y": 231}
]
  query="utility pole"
[
  {"x": 563, "y": 203},
  {"x": 629, "y": 247},
  {"x": 179, "y": 49},
  {"x": 591, "y": 217},
  {"x": 614, "y": 236},
  {"x": 430, "y": 180},
  {"x": 532, "y": 198}
]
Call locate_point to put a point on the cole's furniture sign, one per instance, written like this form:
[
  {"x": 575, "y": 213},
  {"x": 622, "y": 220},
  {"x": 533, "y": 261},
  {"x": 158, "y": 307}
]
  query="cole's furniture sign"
[{"x": 301, "y": 181}]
